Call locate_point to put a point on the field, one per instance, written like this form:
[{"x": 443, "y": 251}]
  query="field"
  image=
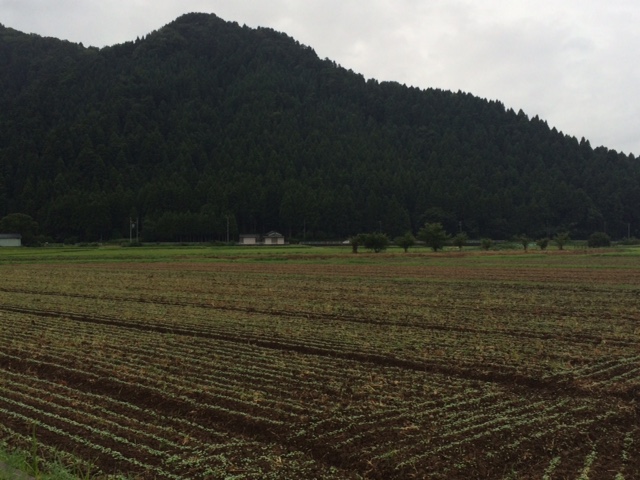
[{"x": 320, "y": 364}]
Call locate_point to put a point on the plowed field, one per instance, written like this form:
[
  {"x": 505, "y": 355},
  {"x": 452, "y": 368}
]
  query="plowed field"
[{"x": 317, "y": 368}]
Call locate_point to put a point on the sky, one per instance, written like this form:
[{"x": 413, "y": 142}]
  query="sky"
[{"x": 573, "y": 63}]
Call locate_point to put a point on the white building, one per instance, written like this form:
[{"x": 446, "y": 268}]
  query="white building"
[
  {"x": 10, "y": 240},
  {"x": 271, "y": 238},
  {"x": 250, "y": 239}
]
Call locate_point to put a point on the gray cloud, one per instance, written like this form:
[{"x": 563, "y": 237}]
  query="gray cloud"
[{"x": 573, "y": 63}]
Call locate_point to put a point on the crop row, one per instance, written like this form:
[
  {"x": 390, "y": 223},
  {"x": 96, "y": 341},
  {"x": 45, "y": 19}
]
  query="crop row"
[
  {"x": 434, "y": 351},
  {"x": 214, "y": 370},
  {"x": 408, "y": 429},
  {"x": 230, "y": 286}
]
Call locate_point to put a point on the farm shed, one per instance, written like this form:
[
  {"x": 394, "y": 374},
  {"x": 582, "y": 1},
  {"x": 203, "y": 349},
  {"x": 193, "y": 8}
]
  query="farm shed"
[
  {"x": 250, "y": 239},
  {"x": 271, "y": 238},
  {"x": 10, "y": 240}
]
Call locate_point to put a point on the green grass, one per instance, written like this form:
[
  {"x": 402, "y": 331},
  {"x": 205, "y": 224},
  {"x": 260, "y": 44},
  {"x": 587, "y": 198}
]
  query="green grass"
[
  {"x": 277, "y": 254},
  {"x": 149, "y": 253},
  {"x": 22, "y": 464}
]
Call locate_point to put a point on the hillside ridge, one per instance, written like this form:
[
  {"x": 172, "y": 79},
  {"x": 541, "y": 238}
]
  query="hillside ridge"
[{"x": 204, "y": 123}]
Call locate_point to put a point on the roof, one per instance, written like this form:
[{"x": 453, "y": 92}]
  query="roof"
[
  {"x": 10, "y": 236},
  {"x": 271, "y": 234}
]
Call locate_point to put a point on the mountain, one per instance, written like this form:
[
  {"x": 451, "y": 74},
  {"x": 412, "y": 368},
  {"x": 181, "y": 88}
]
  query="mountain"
[{"x": 205, "y": 122}]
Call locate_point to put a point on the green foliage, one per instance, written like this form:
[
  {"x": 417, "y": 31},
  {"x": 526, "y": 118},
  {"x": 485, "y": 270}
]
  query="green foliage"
[
  {"x": 598, "y": 240},
  {"x": 378, "y": 242},
  {"x": 434, "y": 236},
  {"x": 522, "y": 240},
  {"x": 204, "y": 119},
  {"x": 460, "y": 240},
  {"x": 486, "y": 243},
  {"x": 405, "y": 241},
  {"x": 19, "y": 464},
  {"x": 22, "y": 224},
  {"x": 561, "y": 239},
  {"x": 356, "y": 241},
  {"x": 542, "y": 243},
  {"x": 630, "y": 241}
]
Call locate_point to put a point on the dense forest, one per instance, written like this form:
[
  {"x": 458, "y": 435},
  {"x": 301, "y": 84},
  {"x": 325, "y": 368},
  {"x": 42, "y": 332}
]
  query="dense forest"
[{"x": 205, "y": 125}]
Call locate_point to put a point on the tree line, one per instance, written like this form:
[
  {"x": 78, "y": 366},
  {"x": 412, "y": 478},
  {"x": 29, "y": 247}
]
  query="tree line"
[{"x": 204, "y": 127}]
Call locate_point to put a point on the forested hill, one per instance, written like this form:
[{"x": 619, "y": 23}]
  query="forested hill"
[{"x": 204, "y": 121}]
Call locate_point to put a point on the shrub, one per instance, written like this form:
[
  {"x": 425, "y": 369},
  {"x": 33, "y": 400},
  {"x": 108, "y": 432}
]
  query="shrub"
[
  {"x": 542, "y": 243},
  {"x": 405, "y": 241},
  {"x": 460, "y": 240},
  {"x": 132, "y": 244},
  {"x": 630, "y": 241},
  {"x": 561, "y": 239},
  {"x": 486, "y": 243},
  {"x": 598, "y": 240},
  {"x": 522, "y": 240},
  {"x": 378, "y": 242},
  {"x": 433, "y": 235}
]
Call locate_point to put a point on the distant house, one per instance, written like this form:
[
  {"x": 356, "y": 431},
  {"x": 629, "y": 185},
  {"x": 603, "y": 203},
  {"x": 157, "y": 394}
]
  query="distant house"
[
  {"x": 250, "y": 239},
  {"x": 271, "y": 238},
  {"x": 10, "y": 240}
]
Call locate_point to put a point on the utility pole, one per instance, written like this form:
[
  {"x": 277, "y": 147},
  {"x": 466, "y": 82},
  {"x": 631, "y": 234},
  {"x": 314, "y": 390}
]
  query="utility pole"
[
  {"x": 132, "y": 226},
  {"x": 227, "y": 216}
]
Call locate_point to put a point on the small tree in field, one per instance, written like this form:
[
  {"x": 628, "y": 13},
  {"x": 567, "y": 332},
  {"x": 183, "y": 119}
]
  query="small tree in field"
[
  {"x": 599, "y": 239},
  {"x": 486, "y": 243},
  {"x": 460, "y": 240},
  {"x": 433, "y": 235},
  {"x": 378, "y": 242},
  {"x": 523, "y": 240},
  {"x": 405, "y": 241},
  {"x": 561, "y": 239},
  {"x": 542, "y": 243},
  {"x": 356, "y": 242}
]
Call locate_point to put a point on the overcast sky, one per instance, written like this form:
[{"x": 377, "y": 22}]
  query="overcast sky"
[{"x": 571, "y": 62}]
